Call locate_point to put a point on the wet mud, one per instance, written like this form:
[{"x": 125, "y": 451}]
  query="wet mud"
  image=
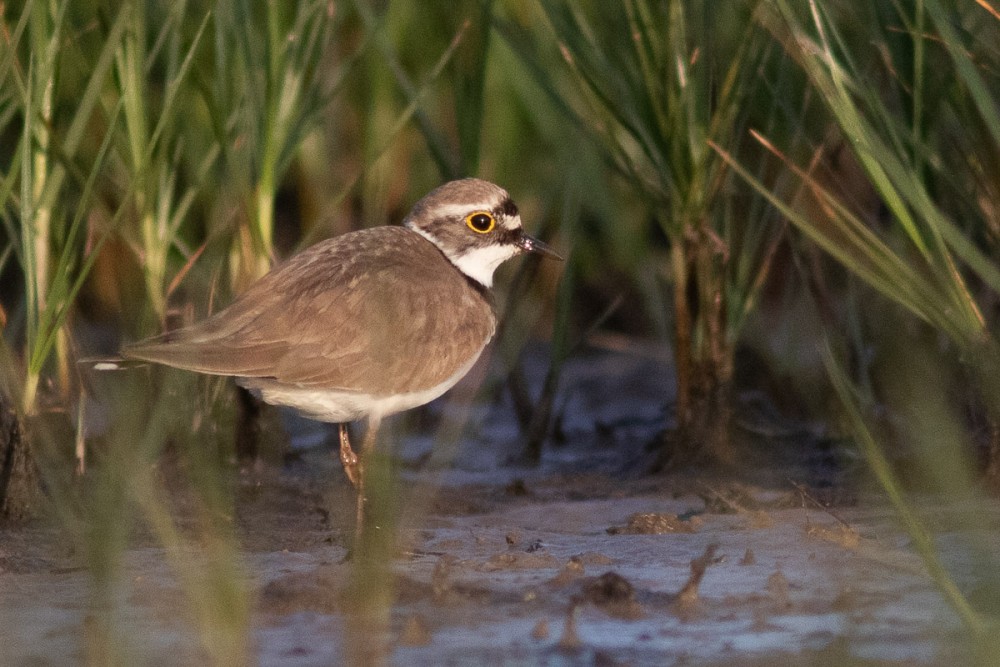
[{"x": 585, "y": 559}]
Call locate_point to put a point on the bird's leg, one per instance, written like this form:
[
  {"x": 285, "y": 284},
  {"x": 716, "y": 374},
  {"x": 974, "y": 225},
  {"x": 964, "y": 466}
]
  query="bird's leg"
[
  {"x": 369, "y": 599},
  {"x": 348, "y": 459},
  {"x": 367, "y": 445}
]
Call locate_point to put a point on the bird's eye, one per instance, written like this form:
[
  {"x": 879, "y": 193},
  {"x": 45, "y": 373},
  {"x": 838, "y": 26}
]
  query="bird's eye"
[{"x": 480, "y": 222}]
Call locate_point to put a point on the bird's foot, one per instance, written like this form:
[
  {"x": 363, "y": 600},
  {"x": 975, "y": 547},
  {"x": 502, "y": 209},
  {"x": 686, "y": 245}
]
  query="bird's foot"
[{"x": 348, "y": 459}]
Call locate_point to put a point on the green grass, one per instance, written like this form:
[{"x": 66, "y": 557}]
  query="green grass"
[
  {"x": 155, "y": 157},
  {"x": 941, "y": 274},
  {"x": 655, "y": 85}
]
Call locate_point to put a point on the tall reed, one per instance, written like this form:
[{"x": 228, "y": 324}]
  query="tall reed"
[
  {"x": 931, "y": 251},
  {"x": 269, "y": 86},
  {"x": 655, "y": 83}
]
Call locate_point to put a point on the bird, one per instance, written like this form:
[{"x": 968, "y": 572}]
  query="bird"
[{"x": 365, "y": 324}]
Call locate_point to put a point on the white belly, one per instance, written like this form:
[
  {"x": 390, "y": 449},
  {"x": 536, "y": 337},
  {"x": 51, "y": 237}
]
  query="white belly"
[{"x": 340, "y": 406}]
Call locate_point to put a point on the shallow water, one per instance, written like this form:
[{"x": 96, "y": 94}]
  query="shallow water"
[{"x": 496, "y": 558}]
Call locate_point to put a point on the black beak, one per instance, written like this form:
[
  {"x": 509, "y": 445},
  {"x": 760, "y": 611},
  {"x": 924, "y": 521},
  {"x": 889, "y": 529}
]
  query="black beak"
[{"x": 529, "y": 244}]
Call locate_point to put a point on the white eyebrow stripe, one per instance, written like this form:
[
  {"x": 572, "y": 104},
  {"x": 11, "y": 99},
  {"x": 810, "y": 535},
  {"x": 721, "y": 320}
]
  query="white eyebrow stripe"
[{"x": 459, "y": 210}]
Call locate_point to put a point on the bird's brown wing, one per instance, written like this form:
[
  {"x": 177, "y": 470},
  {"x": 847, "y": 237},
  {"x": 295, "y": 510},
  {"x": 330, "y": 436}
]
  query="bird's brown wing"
[{"x": 352, "y": 313}]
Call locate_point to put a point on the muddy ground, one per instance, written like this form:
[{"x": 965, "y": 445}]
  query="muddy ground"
[{"x": 586, "y": 559}]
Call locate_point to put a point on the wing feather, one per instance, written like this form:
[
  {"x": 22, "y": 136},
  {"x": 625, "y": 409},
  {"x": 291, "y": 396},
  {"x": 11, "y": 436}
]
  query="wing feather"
[{"x": 352, "y": 313}]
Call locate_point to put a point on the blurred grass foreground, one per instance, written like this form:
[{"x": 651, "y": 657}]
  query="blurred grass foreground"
[{"x": 813, "y": 186}]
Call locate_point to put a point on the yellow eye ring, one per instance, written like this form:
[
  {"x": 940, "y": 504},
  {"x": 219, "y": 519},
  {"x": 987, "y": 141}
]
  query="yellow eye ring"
[{"x": 481, "y": 222}]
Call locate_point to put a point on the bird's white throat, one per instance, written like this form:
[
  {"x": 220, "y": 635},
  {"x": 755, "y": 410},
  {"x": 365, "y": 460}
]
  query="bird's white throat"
[
  {"x": 477, "y": 263},
  {"x": 480, "y": 263}
]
